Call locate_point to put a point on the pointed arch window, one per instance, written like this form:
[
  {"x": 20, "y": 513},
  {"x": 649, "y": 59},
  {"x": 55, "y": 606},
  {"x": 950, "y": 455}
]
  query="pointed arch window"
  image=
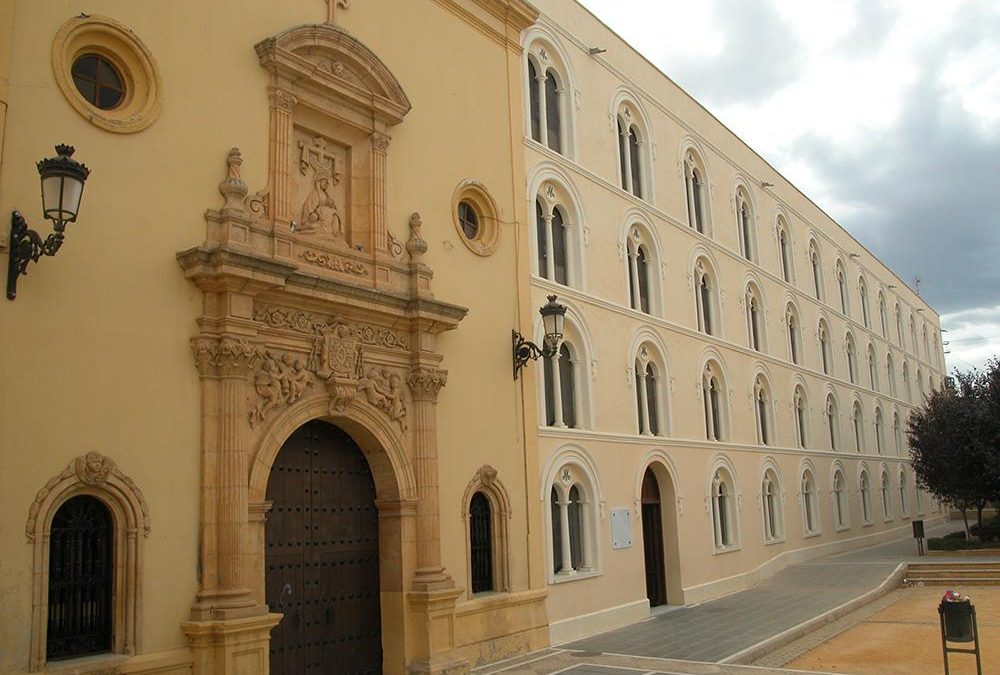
[
  {"x": 852, "y": 359},
  {"x": 723, "y": 510},
  {"x": 794, "y": 337},
  {"x": 865, "y": 492},
  {"x": 799, "y": 410},
  {"x": 890, "y": 374},
  {"x": 840, "y": 499},
  {"x": 712, "y": 399},
  {"x": 832, "y": 422},
  {"x": 784, "y": 252},
  {"x": 643, "y": 278},
  {"x": 560, "y": 388},
  {"x": 913, "y": 335},
  {"x": 771, "y": 506},
  {"x": 842, "y": 287},
  {"x": 762, "y": 411},
  {"x": 817, "y": 270},
  {"x": 647, "y": 386},
  {"x": 481, "y": 543},
  {"x": 754, "y": 321},
  {"x": 630, "y": 154},
  {"x": 863, "y": 293},
  {"x": 879, "y": 432},
  {"x": 907, "y": 390},
  {"x": 872, "y": 368},
  {"x": 694, "y": 183},
  {"x": 705, "y": 298},
  {"x": 885, "y": 492},
  {"x": 899, "y": 326},
  {"x": 904, "y": 504},
  {"x": 824, "y": 348},
  {"x": 744, "y": 225},
  {"x": 883, "y": 321},
  {"x": 897, "y": 434},
  {"x": 810, "y": 509},
  {"x": 859, "y": 427}
]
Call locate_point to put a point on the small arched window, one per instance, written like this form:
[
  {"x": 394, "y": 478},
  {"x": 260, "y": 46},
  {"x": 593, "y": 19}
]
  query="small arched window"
[
  {"x": 899, "y": 326},
  {"x": 794, "y": 334},
  {"x": 572, "y": 539},
  {"x": 800, "y": 411},
  {"x": 810, "y": 508},
  {"x": 770, "y": 497},
  {"x": 832, "y": 422},
  {"x": 81, "y": 580},
  {"x": 907, "y": 391},
  {"x": 643, "y": 278},
  {"x": 705, "y": 297},
  {"x": 745, "y": 225},
  {"x": 551, "y": 238},
  {"x": 904, "y": 502},
  {"x": 865, "y": 492},
  {"x": 754, "y": 318},
  {"x": 762, "y": 410},
  {"x": 883, "y": 321},
  {"x": 840, "y": 499},
  {"x": 824, "y": 348},
  {"x": 630, "y": 153},
  {"x": 885, "y": 492},
  {"x": 852, "y": 358},
  {"x": 784, "y": 251},
  {"x": 872, "y": 367},
  {"x": 546, "y": 100},
  {"x": 863, "y": 293},
  {"x": 560, "y": 389},
  {"x": 913, "y": 335},
  {"x": 842, "y": 287},
  {"x": 713, "y": 398},
  {"x": 817, "y": 269},
  {"x": 695, "y": 190},
  {"x": 647, "y": 385},
  {"x": 897, "y": 434},
  {"x": 890, "y": 374},
  {"x": 723, "y": 510},
  {"x": 481, "y": 543},
  {"x": 879, "y": 432},
  {"x": 858, "y": 420}
]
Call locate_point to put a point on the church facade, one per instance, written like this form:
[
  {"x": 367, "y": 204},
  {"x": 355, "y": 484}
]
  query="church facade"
[{"x": 259, "y": 409}]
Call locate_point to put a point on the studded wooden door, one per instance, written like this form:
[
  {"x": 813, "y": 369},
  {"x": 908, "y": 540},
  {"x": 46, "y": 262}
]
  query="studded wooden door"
[{"x": 322, "y": 556}]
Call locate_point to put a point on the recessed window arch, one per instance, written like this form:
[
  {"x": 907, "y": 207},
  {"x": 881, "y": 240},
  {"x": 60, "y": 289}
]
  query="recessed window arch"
[
  {"x": 706, "y": 292},
  {"x": 920, "y": 384},
  {"x": 865, "y": 495},
  {"x": 745, "y": 223},
  {"x": 559, "y": 228},
  {"x": 771, "y": 504},
  {"x": 865, "y": 310},
  {"x": 885, "y": 492},
  {"x": 913, "y": 336},
  {"x": 899, "y": 326},
  {"x": 897, "y": 434},
  {"x": 904, "y": 499},
  {"x": 800, "y": 416},
  {"x": 907, "y": 390},
  {"x": 845, "y": 303},
  {"x": 572, "y": 520},
  {"x": 763, "y": 410},
  {"x": 927, "y": 347},
  {"x": 810, "y": 503},
  {"x": 634, "y": 146},
  {"x": 832, "y": 422},
  {"x": 723, "y": 497},
  {"x": 852, "y": 358},
  {"x": 642, "y": 268},
  {"x": 696, "y": 191},
  {"x": 872, "y": 367},
  {"x": 793, "y": 328},
  {"x": 549, "y": 84},
  {"x": 825, "y": 352},
  {"x": 858, "y": 420},
  {"x": 879, "y": 431},
  {"x": 890, "y": 373},
  {"x": 883, "y": 320},
  {"x": 651, "y": 384},
  {"x": 487, "y": 512},
  {"x": 816, "y": 263},
  {"x": 714, "y": 401},
  {"x": 785, "y": 251},
  {"x": 565, "y": 378},
  {"x": 754, "y": 307},
  {"x": 841, "y": 508},
  {"x": 90, "y": 508}
]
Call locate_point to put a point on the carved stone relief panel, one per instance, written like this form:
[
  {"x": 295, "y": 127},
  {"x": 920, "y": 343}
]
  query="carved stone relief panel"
[{"x": 321, "y": 188}]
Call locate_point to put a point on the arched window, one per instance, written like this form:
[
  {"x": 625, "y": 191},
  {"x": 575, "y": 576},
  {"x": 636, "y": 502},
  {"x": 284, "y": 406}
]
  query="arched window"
[
  {"x": 832, "y": 422},
  {"x": 695, "y": 190},
  {"x": 883, "y": 321},
  {"x": 920, "y": 501},
  {"x": 904, "y": 504},
  {"x": 863, "y": 292},
  {"x": 762, "y": 410},
  {"x": 810, "y": 508},
  {"x": 927, "y": 347},
  {"x": 81, "y": 580},
  {"x": 794, "y": 334},
  {"x": 648, "y": 380},
  {"x": 547, "y": 101},
  {"x": 885, "y": 491},
  {"x": 890, "y": 374},
  {"x": 800, "y": 411},
  {"x": 852, "y": 358},
  {"x": 551, "y": 231},
  {"x": 784, "y": 251},
  {"x": 872, "y": 367},
  {"x": 481, "y": 543},
  {"x": 879, "y": 432},
  {"x": 713, "y": 400},
  {"x": 920, "y": 384},
  {"x": 631, "y": 152},
  {"x": 840, "y": 508},
  {"x": 897, "y": 434},
  {"x": 824, "y": 348},
  {"x": 571, "y": 505},
  {"x": 705, "y": 297},
  {"x": 754, "y": 316},
  {"x": 817, "y": 269},
  {"x": 745, "y": 224},
  {"x": 723, "y": 510},
  {"x": 642, "y": 273},
  {"x": 859, "y": 427},
  {"x": 865, "y": 492},
  {"x": 907, "y": 391},
  {"x": 560, "y": 388},
  {"x": 770, "y": 497},
  {"x": 899, "y": 326},
  {"x": 913, "y": 335},
  {"x": 842, "y": 287}
]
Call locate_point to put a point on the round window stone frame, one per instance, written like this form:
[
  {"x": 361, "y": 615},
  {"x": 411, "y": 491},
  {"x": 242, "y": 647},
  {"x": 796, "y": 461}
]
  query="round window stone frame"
[
  {"x": 474, "y": 193},
  {"x": 105, "y": 37}
]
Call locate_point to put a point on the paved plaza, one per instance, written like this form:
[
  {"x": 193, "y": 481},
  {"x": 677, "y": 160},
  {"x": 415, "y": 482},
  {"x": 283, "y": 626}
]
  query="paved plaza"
[{"x": 712, "y": 637}]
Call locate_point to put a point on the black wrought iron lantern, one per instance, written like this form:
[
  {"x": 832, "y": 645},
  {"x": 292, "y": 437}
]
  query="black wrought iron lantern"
[
  {"x": 553, "y": 317},
  {"x": 62, "y": 189}
]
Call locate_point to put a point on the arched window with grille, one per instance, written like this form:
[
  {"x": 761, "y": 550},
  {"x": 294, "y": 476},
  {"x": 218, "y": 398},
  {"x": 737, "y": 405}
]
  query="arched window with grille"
[{"x": 481, "y": 543}]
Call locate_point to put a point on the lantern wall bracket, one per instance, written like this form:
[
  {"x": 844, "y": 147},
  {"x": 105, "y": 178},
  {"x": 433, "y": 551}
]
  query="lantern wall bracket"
[
  {"x": 524, "y": 351},
  {"x": 27, "y": 246}
]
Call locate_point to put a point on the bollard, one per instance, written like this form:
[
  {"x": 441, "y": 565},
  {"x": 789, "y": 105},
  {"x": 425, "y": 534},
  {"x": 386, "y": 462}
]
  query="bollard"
[{"x": 958, "y": 624}]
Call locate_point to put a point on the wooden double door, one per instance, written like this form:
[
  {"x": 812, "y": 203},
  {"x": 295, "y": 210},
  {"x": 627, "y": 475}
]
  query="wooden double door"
[
  {"x": 322, "y": 556},
  {"x": 652, "y": 541}
]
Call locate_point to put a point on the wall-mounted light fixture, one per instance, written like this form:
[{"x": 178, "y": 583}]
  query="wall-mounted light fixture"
[
  {"x": 553, "y": 316},
  {"x": 62, "y": 187}
]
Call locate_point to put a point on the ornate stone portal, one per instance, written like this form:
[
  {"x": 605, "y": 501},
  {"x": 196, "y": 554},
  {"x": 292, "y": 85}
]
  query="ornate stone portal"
[{"x": 310, "y": 310}]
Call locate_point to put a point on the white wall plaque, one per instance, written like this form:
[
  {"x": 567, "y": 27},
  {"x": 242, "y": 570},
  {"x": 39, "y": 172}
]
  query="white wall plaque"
[{"x": 621, "y": 528}]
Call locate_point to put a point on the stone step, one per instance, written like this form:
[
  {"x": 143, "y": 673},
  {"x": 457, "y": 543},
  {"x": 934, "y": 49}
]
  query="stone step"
[
  {"x": 954, "y": 566},
  {"x": 988, "y": 581}
]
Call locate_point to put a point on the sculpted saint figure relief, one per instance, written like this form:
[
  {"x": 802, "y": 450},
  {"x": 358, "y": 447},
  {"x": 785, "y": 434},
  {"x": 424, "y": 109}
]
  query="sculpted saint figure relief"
[
  {"x": 320, "y": 214},
  {"x": 278, "y": 381},
  {"x": 384, "y": 390}
]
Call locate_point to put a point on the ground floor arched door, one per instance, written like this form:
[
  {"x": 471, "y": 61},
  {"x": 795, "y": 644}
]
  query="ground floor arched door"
[
  {"x": 652, "y": 541},
  {"x": 322, "y": 556}
]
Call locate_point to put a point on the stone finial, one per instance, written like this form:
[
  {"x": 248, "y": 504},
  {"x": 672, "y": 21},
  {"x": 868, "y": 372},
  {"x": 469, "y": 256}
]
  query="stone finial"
[
  {"x": 416, "y": 245},
  {"x": 232, "y": 187}
]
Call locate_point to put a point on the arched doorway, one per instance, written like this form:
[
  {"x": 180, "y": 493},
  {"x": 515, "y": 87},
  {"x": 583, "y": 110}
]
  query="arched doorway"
[
  {"x": 652, "y": 541},
  {"x": 322, "y": 556}
]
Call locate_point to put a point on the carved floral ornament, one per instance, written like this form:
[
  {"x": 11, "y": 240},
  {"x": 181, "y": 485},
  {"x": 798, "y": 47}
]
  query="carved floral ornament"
[{"x": 92, "y": 470}]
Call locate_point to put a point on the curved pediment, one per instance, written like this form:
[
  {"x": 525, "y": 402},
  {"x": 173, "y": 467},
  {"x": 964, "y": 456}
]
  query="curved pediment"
[{"x": 322, "y": 63}]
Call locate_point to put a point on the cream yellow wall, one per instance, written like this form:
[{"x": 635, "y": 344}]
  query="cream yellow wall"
[
  {"x": 96, "y": 353},
  {"x": 601, "y": 299}
]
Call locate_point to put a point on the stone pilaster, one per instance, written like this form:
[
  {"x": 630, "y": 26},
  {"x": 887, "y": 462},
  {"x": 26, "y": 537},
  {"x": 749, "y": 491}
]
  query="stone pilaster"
[
  {"x": 282, "y": 105},
  {"x": 380, "y": 152}
]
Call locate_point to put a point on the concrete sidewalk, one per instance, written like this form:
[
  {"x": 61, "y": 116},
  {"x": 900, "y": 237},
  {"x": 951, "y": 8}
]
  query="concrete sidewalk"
[{"x": 739, "y": 627}]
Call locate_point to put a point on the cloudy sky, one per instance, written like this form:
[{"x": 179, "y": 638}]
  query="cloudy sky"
[{"x": 887, "y": 114}]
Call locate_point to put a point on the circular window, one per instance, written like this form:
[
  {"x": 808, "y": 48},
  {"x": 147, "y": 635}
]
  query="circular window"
[
  {"x": 476, "y": 217},
  {"x": 98, "y": 81},
  {"x": 468, "y": 219},
  {"x": 107, "y": 74}
]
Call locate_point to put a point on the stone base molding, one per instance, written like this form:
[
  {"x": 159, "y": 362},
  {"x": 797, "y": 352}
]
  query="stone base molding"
[{"x": 231, "y": 646}]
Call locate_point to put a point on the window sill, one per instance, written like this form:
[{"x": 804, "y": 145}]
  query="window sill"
[
  {"x": 95, "y": 663},
  {"x": 576, "y": 575},
  {"x": 812, "y": 535},
  {"x": 727, "y": 549},
  {"x": 868, "y": 524},
  {"x": 771, "y": 542},
  {"x": 843, "y": 528}
]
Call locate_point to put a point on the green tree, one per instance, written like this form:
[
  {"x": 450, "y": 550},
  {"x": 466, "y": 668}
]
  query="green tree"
[{"x": 954, "y": 441}]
